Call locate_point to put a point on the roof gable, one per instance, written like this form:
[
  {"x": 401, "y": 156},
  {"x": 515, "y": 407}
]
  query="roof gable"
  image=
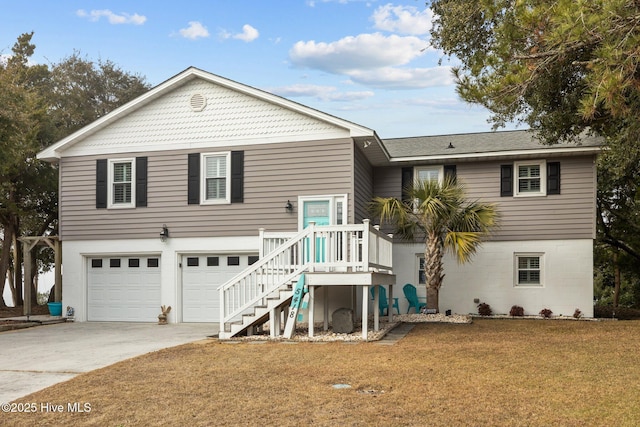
[{"x": 168, "y": 117}]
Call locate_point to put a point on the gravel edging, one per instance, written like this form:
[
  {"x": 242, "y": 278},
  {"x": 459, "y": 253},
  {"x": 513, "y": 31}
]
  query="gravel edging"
[{"x": 301, "y": 333}]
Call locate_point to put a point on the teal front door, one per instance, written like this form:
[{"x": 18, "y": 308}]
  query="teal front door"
[{"x": 318, "y": 211}]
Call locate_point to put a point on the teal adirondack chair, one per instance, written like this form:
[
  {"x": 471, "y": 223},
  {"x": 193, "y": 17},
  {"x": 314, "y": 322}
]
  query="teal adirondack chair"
[
  {"x": 411, "y": 294},
  {"x": 383, "y": 301}
]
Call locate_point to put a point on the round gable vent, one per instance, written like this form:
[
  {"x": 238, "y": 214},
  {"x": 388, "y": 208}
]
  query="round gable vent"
[{"x": 198, "y": 102}]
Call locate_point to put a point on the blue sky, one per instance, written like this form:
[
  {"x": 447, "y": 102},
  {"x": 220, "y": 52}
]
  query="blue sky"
[{"x": 366, "y": 61}]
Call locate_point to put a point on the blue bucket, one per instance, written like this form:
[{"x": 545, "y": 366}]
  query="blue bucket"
[{"x": 55, "y": 308}]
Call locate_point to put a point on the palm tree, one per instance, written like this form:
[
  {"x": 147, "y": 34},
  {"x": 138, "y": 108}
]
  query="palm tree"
[{"x": 440, "y": 214}]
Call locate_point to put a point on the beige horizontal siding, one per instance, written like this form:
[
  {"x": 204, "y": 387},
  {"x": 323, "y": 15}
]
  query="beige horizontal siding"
[
  {"x": 569, "y": 215},
  {"x": 273, "y": 174},
  {"x": 363, "y": 185}
]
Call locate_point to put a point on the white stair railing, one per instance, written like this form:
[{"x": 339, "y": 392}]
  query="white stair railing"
[
  {"x": 339, "y": 248},
  {"x": 263, "y": 278}
]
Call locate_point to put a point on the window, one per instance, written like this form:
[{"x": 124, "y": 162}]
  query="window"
[
  {"x": 233, "y": 260},
  {"x": 152, "y": 262},
  {"x": 215, "y": 174},
  {"x": 213, "y": 261},
  {"x": 121, "y": 179},
  {"x": 530, "y": 179},
  {"x": 96, "y": 263},
  {"x": 429, "y": 173},
  {"x": 528, "y": 269},
  {"x": 422, "y": 277},
  {"x": 114, "y": 263},
  {"x": 134, "y": 262},
  {"x": 193, "y": 261}
]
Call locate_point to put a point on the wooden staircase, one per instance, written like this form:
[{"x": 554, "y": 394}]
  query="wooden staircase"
[{"x": 264, "y": 291}]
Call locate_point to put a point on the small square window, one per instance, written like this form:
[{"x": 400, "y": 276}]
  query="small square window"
[
  {"x": 530, "y": 178},
  {"x": 529, "y": 269},
  {"x": 134, "y": 262},
  {"x": 233, "y": 260},
  {"x": 96, "y": 263},
  {"x": 213, "y": 261},
  {"x": 152, "y": 262},
  {"x": 253, "y": 259},
  {"x": 114, "y": 263},
  {"x": 193, "y": 261}
]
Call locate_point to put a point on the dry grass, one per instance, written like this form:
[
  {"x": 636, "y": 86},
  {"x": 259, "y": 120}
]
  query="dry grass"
[{"x": 492, "y": 372}]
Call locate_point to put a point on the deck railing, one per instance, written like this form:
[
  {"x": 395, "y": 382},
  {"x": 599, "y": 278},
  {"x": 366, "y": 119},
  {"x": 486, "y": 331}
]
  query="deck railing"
[{"x": 284, "y": 256}]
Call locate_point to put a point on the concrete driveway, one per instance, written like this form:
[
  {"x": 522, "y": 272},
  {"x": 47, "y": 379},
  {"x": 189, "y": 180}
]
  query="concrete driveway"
[{"x": 35, "y": 358}]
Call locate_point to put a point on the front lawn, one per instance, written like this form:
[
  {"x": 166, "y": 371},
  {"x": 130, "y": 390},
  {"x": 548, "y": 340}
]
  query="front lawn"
[{"x": 489, "y": 373}]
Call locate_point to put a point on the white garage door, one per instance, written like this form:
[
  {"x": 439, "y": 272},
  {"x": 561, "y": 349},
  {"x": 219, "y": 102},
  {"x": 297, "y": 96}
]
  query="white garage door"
[
  {"x": 201, "y": 276},
  {"x": 124, "y": 289}
]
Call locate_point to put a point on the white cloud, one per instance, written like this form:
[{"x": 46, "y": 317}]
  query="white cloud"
[
  {"x": 113, "y": 18},
  {"x": 248, "y": 34},
  {"x": 323, "y": 93},
  {"x": 402, "y": 19},
  {"x": 379, "y": 59},
  {"x": 195, "y": 30},
  {"x": 403, "y": 78},
  {"x": 365, "y": 51}
]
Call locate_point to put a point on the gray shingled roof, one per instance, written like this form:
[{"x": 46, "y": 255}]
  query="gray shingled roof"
[{"x": 465, "y": 144}]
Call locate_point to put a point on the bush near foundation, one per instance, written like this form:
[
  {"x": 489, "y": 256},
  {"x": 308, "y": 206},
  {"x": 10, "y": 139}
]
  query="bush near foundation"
[
  {"x": 516, "y": 311},
  {"x": 484, "y": 309}
]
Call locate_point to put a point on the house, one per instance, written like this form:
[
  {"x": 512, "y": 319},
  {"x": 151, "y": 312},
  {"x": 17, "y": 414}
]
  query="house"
[{"x": 203, "y": 182}]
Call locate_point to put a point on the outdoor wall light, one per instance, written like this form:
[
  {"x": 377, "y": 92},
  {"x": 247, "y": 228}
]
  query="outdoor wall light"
[
  {"x": 288, "y": 207},
  {"x": 164, "y": 234}
]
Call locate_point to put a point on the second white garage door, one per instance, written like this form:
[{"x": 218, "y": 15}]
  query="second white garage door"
[{"x": 201, "y": 276}]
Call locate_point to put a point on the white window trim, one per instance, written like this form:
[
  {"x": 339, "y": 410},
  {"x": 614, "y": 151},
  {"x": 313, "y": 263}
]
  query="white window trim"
[
  {"x": 333, "y": 199},
  {"x": 518, "y": 255},
  {"x": 203, "y": 179},
  {"x": 543, "y": 178},
  {"x": 440, "y": 168},
  {"x": 110, "y": 204}
]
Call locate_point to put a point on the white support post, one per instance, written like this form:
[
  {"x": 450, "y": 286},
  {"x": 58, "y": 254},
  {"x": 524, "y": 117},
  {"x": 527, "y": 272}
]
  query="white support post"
[
  {"x": 365, "y": 245},
  {"x": 261, "y": 241},
  {"x": 312, "y": 291},
  {"x": 365, "y": 313},
  {"x": 312, "y": 246},
  {"x": 390, "y": 309},
  {"x": 275, "y": 316},
  {"x": 325, "y": 307},
  {"x": 376, "y": 309}
]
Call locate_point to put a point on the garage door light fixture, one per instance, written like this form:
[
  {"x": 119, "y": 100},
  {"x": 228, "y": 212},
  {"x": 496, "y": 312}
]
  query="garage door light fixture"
[
  {"x": 164, "y": 234},
  {"x": 288, "y": 207}
]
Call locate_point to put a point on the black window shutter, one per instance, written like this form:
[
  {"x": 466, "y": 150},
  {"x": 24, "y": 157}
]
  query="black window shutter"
[
  {"x": 407, "y": 182},
  {"x": 193, "y": 179},
  {"x": 450, "y": 172},
  {"x": 506, "y": 180},
  {"x": 553, "y": 177},
  {"x": 141, "y": 182},
  {"x": 101, "y": 183},
  {"x": 237, "y": 176}
]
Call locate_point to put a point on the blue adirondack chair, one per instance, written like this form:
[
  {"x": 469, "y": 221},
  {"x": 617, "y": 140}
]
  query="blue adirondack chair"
[
  {"x": 383, "y": 301},
  {"x": 411, "y": 294}
]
